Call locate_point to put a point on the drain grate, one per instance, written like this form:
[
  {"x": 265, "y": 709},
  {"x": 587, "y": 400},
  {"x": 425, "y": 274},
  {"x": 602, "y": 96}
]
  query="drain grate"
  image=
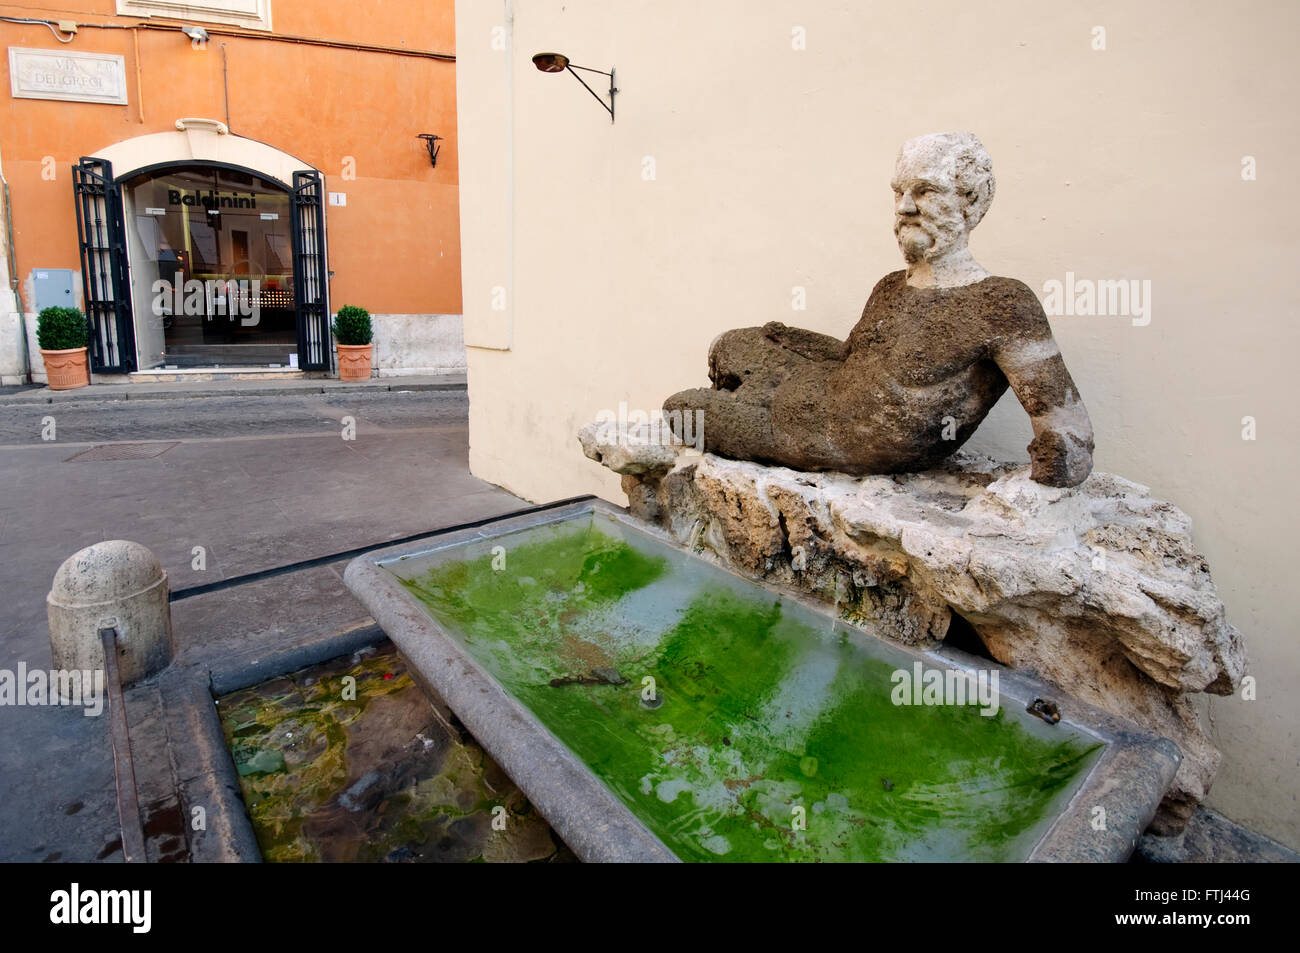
[{"x": 122, "y": 451}]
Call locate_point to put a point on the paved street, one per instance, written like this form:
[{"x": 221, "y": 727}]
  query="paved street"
[
  {"x": 256, "y": 482},
  {"x": 234, "y": 416}
]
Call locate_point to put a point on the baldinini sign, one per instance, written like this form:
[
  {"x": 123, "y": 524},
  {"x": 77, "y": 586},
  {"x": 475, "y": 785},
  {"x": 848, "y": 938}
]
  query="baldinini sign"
[{"x": 211, "y": 199}]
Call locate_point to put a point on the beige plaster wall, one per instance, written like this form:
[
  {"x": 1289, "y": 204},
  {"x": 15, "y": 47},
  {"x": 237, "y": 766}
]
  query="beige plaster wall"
[{"x": 586, "y": 283}]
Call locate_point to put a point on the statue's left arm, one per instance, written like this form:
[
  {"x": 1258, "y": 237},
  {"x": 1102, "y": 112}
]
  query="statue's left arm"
[
  {"x": 809, "y": 344},
  {"x": 1062, "y": 447}
]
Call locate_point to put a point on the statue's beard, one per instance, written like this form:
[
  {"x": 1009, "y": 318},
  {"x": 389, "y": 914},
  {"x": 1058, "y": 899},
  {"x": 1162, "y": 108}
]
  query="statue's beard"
[
  {"x": 928, "y": 240},
  {"x": 914, "y": 248}
]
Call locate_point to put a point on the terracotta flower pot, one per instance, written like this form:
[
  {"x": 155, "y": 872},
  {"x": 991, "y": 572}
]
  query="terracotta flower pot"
[
  {"x": 354, "y": 361},
  {"x": 66, "y": 369}
]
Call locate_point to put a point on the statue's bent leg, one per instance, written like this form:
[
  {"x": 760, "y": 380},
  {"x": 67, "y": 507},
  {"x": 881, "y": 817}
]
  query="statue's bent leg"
[
  {"x": 721, "y": 423},
  {"x": 746, "y": 357}
]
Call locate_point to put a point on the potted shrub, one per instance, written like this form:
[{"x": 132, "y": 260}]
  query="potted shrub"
[
  {"x": 352, "y": 334},
  {"x": 62, "y": 334}
]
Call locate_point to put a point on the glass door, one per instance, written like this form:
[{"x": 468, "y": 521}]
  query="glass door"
[{"x": 212, "y": 269}]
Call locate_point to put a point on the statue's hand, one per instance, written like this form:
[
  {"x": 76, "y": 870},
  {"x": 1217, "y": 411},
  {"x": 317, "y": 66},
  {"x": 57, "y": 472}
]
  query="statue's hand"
[{"x": 1060, "y": 459}]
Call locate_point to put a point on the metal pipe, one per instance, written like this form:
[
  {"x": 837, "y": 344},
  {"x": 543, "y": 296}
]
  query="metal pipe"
[
  {"x": 128, "y": 802},
  {"x": 9, "y": 244},
  {"x": 139, "y": 82},
  {"x": 11, "y": 259},
  {"x": 225, "y": 82},
  {"x": 252, "y": 35}
]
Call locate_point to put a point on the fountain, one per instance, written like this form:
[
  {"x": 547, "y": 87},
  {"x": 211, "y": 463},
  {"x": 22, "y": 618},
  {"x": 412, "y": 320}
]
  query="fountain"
[{"x": 752, "y": 664}]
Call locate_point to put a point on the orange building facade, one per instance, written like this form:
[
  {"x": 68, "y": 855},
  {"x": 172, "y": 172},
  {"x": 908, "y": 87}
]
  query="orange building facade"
[{"x": 210, "y": 181}]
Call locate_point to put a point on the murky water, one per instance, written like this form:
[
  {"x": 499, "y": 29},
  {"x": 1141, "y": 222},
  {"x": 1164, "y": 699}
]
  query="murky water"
[
  {"x": 736, "y": 725},
  {"x": 348, "y": 761}
]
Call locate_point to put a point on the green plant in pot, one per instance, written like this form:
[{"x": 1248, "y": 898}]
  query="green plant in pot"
[
  {"x": 62, "y": 335},
  {"x": 352, "y": 337}
]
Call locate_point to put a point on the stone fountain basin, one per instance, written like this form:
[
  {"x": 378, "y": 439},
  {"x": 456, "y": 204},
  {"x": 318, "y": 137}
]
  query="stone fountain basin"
[{"x": 655, "y": 706}]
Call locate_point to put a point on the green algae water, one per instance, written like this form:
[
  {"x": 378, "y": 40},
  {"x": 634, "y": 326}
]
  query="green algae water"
[
  {"x": 347, "y": 761},
  {"x": 772, "y": 733}
]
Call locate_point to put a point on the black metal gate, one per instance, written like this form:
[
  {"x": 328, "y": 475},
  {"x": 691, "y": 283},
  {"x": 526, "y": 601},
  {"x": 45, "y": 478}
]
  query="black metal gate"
[
  {"x": 310, "y": 284},
  {"x": 105, "y": 279}
]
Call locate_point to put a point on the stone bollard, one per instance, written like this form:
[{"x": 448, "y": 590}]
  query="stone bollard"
[{"x": 116, "y": 582}]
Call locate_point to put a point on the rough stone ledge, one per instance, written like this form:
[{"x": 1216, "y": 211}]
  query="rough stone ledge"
[
  {"x": 1097, "y": 589},
  {"x": 1210, "y": 838}
]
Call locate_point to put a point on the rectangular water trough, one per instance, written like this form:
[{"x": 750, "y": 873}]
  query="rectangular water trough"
[{"x": 655, "y": 706}]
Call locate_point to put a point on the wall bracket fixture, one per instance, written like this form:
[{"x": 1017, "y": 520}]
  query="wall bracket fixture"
[
  {"x": 431, "y": 142},
  {"x": 558, "y": 63}
]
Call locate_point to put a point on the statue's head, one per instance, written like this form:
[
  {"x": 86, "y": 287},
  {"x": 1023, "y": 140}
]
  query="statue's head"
[{"x": 943, "y": 185}]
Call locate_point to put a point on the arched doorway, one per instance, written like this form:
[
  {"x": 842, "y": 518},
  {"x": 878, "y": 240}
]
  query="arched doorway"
[{"x": 205, "y": 251}]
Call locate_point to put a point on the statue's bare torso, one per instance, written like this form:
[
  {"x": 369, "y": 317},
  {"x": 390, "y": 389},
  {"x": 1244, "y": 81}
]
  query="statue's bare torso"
[{"x": 918, "y": 374}]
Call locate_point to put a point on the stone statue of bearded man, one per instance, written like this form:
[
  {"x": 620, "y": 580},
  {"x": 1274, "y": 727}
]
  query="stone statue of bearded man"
[{"x": 937, "y": 345}]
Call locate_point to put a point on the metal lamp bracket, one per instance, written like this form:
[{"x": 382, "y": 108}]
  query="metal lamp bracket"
[
  {"x": 613, "y": 90},
  {"x": 431, "y": 142}
]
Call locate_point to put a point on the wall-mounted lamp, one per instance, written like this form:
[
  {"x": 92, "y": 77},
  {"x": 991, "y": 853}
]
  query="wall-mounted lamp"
[
  {"x": 430, "y": 142},
  {"x": 558, "y": 63},
  {"x": 196, "y": 33}
]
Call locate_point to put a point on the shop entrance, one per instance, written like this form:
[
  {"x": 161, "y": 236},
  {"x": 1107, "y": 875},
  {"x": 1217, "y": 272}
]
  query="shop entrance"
[
  {"x": 211, "y": 254},
  {"x": 202, "y": 265}
]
